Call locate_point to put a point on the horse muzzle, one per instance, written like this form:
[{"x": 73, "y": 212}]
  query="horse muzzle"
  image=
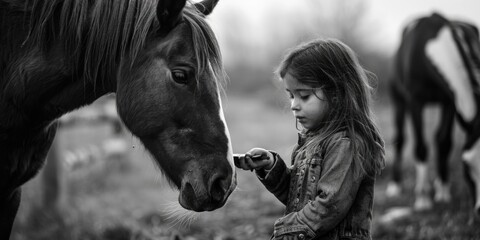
[{"x": 208, "y": 192}]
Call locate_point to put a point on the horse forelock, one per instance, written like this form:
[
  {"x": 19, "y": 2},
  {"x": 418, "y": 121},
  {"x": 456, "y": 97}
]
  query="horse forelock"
[{"x": 205, "y": 45}]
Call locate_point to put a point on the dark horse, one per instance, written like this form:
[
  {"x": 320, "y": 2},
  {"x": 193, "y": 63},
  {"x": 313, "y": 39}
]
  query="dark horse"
[
  {"x": 161, "y": 59},
  {"x": 438, "y": 62}
]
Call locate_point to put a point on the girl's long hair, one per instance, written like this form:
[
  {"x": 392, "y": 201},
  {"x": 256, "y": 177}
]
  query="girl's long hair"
[{"x": 334, "y": 67}]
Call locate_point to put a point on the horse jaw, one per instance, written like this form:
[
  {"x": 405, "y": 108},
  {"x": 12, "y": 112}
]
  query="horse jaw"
[{"x": 204, "y": 181}]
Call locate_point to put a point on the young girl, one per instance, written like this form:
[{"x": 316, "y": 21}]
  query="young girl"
[{"x": 328, "y": 190}]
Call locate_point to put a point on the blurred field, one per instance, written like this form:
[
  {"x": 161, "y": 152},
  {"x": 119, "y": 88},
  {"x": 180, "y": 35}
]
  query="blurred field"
[{"x": 129, "y": 199}]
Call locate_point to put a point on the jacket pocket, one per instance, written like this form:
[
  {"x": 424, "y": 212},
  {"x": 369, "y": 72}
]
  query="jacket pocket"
[{"x": 314, "y": 168}]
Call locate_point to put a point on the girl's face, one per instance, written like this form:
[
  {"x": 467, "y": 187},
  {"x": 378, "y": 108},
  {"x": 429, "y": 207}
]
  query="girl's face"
[{"x": 309, "y": 105}]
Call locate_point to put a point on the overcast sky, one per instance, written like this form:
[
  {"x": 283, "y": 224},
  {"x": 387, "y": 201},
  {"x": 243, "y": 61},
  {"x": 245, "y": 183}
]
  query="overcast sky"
[
  {"x": 386, "y": 16},
  {"x": 394, "y": 14}
]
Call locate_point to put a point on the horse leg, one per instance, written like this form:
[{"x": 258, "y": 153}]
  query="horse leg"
[
  {"x": 422, "y": 187},
  {"x": 8, "y": 209},
  {"x": 444, "y": 146},
  {"x": 394, "y": 186}
]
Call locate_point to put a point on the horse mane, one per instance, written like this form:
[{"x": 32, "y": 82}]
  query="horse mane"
[{"x": 98, "y": 34}]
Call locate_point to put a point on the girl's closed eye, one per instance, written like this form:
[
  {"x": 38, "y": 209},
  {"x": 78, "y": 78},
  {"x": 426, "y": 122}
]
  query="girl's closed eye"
[{"x": 304, "y": 95}]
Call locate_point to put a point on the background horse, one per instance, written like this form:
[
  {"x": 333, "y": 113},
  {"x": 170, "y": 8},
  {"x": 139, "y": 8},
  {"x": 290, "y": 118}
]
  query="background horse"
[
  {"x": 161, "y": 59},
  {"x": 438, "y": 62}
]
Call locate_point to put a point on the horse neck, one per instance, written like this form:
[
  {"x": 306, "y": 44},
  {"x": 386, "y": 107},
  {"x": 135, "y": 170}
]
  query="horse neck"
[{"x": 39, "y": 87}]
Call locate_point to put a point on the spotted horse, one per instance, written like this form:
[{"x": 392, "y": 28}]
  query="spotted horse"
[{"x": 438, "y": 62}]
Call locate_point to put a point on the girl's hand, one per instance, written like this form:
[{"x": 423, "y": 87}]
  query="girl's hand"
[{"x": 256, "y": 158}]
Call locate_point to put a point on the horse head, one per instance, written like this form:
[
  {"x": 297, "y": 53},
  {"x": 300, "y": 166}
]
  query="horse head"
[{"x": 168, "y": 95}]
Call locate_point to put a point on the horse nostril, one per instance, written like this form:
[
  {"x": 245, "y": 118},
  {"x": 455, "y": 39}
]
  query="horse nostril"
[
  {"x": 188, "y": 192},
  {"x": 218, "y": 188}
]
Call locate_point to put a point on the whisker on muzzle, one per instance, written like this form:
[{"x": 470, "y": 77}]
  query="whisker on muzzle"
[{"x": 177, "y": 216}]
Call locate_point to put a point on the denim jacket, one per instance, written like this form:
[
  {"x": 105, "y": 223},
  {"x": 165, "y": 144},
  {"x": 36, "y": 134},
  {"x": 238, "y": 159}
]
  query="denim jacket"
[{"x": 323, "y": 199}]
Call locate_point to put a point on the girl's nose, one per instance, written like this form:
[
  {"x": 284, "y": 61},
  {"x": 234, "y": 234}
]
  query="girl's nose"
[{"x": 294, "y": 105}]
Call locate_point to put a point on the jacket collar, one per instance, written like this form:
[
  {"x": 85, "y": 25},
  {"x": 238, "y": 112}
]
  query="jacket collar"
[{"x": 303, "y": 136}]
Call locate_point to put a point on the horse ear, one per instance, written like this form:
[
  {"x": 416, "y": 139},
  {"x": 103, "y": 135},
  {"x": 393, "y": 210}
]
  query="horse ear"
[
  {"x": 169, "y": 12},
  {"x": 206, "y": 6}
]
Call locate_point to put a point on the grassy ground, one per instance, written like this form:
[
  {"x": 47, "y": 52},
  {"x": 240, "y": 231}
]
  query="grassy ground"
[{"x": 130, "y": 199}]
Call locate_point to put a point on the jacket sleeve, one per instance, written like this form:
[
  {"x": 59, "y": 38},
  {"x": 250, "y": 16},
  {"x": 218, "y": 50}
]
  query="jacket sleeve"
[
  {"x": 277, "y": 179},
  {"x": 336, "y": 191}
]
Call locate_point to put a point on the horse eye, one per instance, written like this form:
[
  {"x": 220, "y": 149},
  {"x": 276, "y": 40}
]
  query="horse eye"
[{"x": 180, "y": 76}]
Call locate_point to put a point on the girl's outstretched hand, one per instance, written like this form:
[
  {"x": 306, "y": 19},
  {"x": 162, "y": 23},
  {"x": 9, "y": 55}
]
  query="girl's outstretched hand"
[{"x": 256, "y": 158}]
